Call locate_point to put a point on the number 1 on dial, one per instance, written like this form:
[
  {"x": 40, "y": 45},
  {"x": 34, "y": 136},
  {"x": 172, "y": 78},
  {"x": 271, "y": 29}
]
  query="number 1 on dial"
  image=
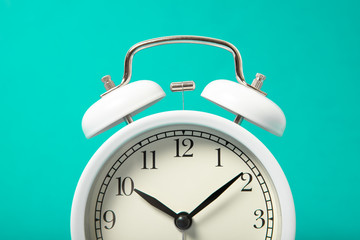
[{"x": 218, "y": 150}]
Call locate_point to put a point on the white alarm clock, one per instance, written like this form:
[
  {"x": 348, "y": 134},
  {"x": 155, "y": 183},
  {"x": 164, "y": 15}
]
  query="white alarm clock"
[{"x": 183, "y": 174}]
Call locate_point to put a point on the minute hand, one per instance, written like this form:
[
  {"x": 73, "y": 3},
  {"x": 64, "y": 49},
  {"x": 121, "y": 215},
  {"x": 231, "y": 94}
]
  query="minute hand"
[{"x": 213, "y": 196}]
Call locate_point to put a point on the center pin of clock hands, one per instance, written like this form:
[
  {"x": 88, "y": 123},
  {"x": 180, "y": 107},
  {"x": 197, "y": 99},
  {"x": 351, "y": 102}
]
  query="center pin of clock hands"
[{"x": 183, "y": 220}]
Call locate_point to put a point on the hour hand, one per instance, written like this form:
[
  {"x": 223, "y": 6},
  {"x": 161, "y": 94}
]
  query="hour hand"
[{"x": 156, "y": 203}]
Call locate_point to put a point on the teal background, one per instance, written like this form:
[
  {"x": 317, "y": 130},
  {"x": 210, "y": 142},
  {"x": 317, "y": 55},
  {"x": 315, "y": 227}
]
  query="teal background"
[{"x": 53, "y": 54}]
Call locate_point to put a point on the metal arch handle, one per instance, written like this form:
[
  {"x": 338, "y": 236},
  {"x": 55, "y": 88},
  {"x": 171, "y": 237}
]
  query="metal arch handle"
[{"x": 180, "y": 39}]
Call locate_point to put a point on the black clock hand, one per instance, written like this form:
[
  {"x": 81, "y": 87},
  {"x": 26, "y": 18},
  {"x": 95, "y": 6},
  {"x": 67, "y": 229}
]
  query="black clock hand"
[
  {"x": 156, "y": 203},
  {"x": 183, "y": 220},
  {"x": 213, "y": 196}
]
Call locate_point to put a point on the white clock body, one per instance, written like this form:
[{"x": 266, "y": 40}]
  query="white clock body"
[{"x": 180, "y": 158}]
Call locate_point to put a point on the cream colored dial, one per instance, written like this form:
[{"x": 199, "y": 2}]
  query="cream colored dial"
[{"x": 181, "y": 166}]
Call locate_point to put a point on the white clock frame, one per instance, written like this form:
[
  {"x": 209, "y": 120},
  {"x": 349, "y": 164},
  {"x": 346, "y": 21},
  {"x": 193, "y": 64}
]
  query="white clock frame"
[{"x": 137, "y": 128}]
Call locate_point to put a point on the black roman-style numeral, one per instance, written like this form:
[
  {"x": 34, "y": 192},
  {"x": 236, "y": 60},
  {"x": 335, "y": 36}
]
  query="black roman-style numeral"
[
  {"x": 109, "y": 217},
  {"x": 259, "y": 213},
  {"x": 218, "y": 150},
  {"x": 125, "y": 186},
  {"x": 152, "y": 160},
  {"x": 249, "y": 179},
  {"x": 186, "y": 143}
]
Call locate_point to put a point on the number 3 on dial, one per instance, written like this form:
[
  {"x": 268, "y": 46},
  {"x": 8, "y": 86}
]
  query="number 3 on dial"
[{"x": 259, "y": 213}]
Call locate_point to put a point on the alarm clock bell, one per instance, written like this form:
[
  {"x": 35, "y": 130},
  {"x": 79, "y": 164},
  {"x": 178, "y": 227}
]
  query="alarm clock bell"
[
  {"x": 119, "y": 105},
  {"x": 248, "y": 103}
]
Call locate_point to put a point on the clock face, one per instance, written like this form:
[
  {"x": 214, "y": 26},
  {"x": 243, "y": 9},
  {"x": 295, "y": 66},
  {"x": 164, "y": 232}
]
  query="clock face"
[{"x": 180, "y": 166}]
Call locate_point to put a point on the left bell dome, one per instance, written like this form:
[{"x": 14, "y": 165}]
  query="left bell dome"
[{"x": 115, "y": 106}]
